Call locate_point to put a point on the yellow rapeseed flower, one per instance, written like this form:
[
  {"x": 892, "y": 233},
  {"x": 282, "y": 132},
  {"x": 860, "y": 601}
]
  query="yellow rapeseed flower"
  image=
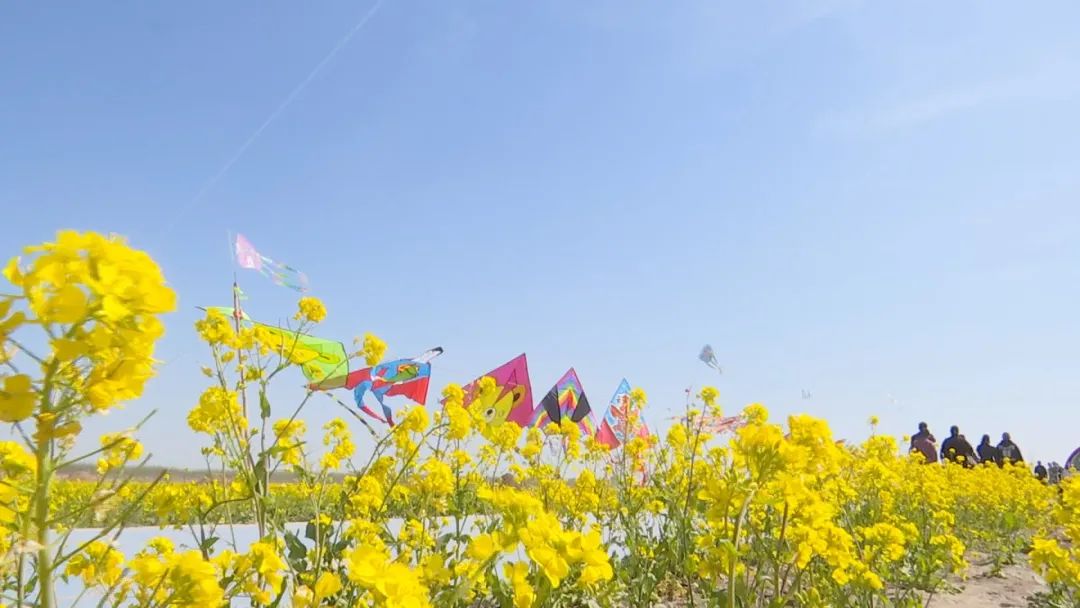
[
  {"x": 372, "y": 349},
  {"x": 311, "y": 309},
  {"x": 18, "y": 398}
]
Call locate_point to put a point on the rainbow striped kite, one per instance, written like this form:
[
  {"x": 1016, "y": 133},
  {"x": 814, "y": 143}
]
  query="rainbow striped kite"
[{"x": 566, "y": 400}]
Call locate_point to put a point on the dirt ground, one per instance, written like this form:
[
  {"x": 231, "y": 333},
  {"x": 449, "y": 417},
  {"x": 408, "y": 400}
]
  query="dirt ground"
[{"x": 1014, "y": 588}]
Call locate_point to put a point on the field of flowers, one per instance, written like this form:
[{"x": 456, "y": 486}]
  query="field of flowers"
[
  {"x": 448, "y": 510},
  {"x": 167, "y": 503}
]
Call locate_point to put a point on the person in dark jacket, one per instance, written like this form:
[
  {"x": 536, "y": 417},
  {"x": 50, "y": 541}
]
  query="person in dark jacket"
[
  {"x": 957, "y": 449},
  {"x": 987, "y": 452},
  {"x": 1010, "y": 452},
  {"x": 1040, "y": 471},
  {"x": 923, "y": 442}
]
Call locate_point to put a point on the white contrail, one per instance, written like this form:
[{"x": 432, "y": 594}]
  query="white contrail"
[{"x": 210, "y": 183}]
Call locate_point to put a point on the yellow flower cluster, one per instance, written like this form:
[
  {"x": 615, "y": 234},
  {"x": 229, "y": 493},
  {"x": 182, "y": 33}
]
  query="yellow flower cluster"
[
  {"x": 98, "y": 302},
  {"x": 311, "y": 309},
  {"x": 372, "y": 349},
  {"x": 339, "y": 439},
  {"x": 18, "y": 398},
  {"x": 98, "y": 564},
  {"x": 17, "y": 472},
  {"x": 183, "y": 579},
  {"x": 218, "y": 411},
  {"x": 289, "y": 444},
  {"x": 1058, "y": 559},
  {"x": 386, "y": 582},
  {"x": 117, "y": 450}
]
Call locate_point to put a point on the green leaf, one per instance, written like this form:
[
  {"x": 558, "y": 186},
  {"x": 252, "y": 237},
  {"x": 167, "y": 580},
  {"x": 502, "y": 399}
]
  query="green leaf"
[
  {"x": 208, "y": 543},
  {"x": 260, "y": 475},
  {"x": 264, "y": 405},
  {"x": 295, "y": 546}
]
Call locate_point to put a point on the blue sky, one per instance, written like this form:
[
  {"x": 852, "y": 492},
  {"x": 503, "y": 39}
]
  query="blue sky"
[{"x": 874, "y": 203}]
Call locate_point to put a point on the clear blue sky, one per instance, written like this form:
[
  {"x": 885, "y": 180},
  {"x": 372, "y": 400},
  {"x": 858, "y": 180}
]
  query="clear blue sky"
[{"x": 843, "y": 197}]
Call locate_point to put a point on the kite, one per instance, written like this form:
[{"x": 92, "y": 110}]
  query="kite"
[
  {"x": 708, "y": 357},
  {"x": 512, "y": 402},
  {"x": 806, "y": 394},
  {"x": 566, "y": 400},
  {"x": 407, "y": 378},
  {"x": 714, "y": 424},
  {"x": 321, "y": 360},
  {"x": 281, "y": 274},
  {"x": 227, "y": 311},
  {"x": 617, "y": 423}
]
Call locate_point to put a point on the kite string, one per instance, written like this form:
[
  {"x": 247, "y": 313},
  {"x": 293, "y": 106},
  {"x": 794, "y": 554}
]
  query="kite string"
[{"x": 210, "y": 183}]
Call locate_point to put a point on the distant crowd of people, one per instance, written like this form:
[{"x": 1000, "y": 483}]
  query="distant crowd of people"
[{"x": 957, "y": 449}]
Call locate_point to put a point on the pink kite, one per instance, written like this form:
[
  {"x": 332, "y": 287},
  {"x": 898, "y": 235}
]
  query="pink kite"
[
  {"x": 282, "y": 274},
  {"x": 513, "y": 401},
  {"x": 246, "y": 256}
]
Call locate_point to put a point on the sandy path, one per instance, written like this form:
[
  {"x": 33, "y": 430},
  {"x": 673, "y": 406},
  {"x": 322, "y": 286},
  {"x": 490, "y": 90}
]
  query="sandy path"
[{"x": 1009, "y": 590}]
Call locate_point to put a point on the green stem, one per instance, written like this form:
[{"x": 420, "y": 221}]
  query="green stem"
[
  {"x": 41, "y": 523},
  {"x": 777, "y": 591},
  {"x": 735, "y": 560},
  {"x": 43, "y": 495}
]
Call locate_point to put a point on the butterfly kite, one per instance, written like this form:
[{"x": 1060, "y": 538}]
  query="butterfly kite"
[
  {"x": 708, "y": 357},
  {"x": 511, "y": 402},
  {"x": 620, "y": 421},
  {"x": 566, "y": 400},
  {"x": 281, "y": 274},
  {"x": 407, "y": 378}
]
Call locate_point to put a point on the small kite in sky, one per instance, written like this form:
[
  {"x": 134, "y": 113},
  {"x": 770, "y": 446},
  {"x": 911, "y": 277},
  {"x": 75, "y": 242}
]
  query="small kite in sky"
[
  {"x": 566, "y": 400},
  {"x": 708, "y": 357},
  {"x": 806, "y": 394},
  {"x": 282, "y": 274}
]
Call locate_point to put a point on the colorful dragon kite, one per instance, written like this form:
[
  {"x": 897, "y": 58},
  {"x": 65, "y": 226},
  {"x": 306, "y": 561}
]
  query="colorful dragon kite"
[{"x": 407, "y": 378}]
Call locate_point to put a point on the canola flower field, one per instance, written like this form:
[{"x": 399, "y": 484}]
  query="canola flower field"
[{"x": 448, "y": 510}]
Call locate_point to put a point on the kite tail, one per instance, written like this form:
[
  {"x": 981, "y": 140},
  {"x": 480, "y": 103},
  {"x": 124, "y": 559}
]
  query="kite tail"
[
  {"x": 366, "y": 424},
  {"x": 358, "y": 396},
  {"x": 386, "y": 410}
]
